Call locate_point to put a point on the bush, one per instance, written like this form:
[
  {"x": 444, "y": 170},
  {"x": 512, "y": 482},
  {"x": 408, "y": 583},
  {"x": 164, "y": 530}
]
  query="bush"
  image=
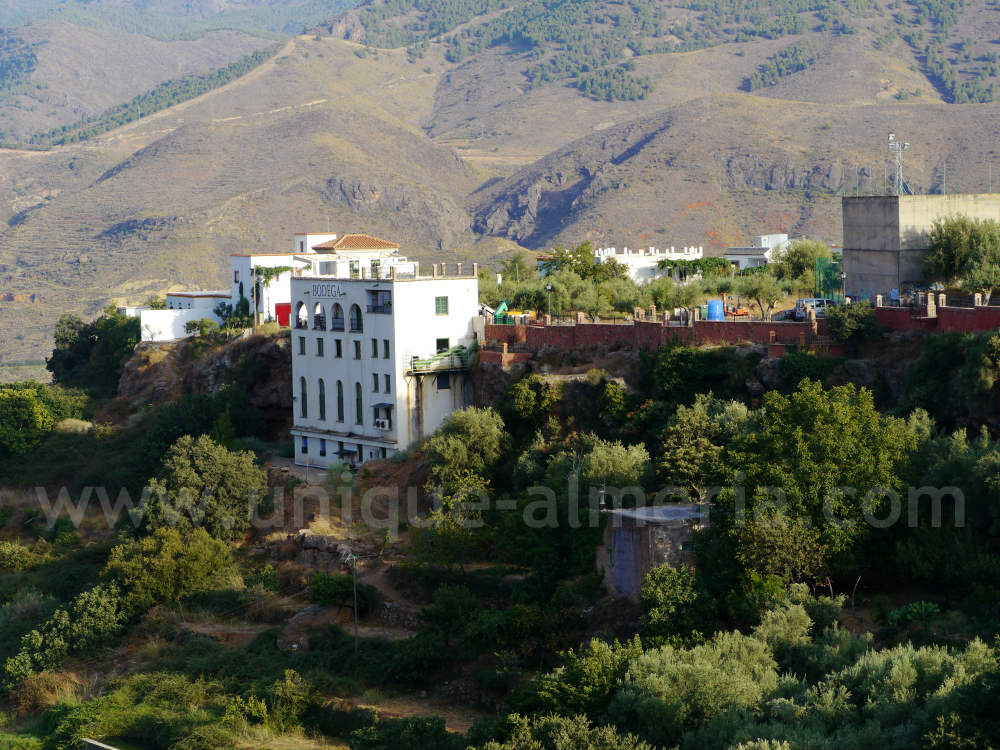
[
  {"x": 331, "y": 589},
  {"x": 15, "y": 556},
  {"x": 852, "y": 324},
  {"x": 200, "y": 327},
  {"x": 166, "y": 566},
  {"x": 675, "y": 605},
  {"x": 412, "y": 733}
]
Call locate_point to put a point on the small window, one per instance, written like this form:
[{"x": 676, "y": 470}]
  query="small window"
[
  {"x": 355, "y": 269},
  {"x": 388, "y": 383},
  {"x": 374, "y": 348},
  {"x": 302, "y": 244},
  {"x": 375, "y": 382},
  {"x": 236, "y": 277},
  {"x": 357, "y": 350},
  {"x": 385, "y": 348},
  {"x": 383, "y": 452},
  {"x": 444, "y": 381},
  {"x": 319, "y": 347},
  {"x": 442, "y": 345},
  {"x": 376, "y": 268},
  {"x": 440, "y": 305},
  {"x": 305, "y": 444},
  {"x": 338, "y": 348},
  {"x": 322, "y": 447},
  {"x": 302, "y": 345}
]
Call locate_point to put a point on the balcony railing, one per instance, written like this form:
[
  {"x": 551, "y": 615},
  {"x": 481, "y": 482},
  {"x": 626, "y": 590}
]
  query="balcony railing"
[
  {"x": 337, "y": 324},
  {"x": 319, "y": 323},
  {"x": 301, "y": 324},
  {"x": 384, "y": 309},
  {"x": 456, "y": 358}
]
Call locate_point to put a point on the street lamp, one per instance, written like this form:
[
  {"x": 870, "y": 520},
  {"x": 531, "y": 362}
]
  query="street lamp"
[{"x": 548, "y": 288}]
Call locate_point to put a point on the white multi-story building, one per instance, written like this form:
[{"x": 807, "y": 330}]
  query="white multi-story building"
[{"x": 378, "y": 360}]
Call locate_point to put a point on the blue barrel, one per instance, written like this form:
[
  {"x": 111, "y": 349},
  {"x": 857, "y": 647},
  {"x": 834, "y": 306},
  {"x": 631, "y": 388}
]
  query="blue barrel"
[{"x": 715, "y": 310}]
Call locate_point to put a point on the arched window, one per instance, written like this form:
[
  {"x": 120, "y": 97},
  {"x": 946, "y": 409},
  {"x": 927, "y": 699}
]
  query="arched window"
[
  {"x": 358, "y": 414},
  {"x": 319, "y": 318},
  {"x": 301, "y": 316},
  {"x": 303, "y": 399},
  {"x": 322, "y": 399},
  {"x": 337, "y": 321},
  {"x": 356, "y": 318},
  {"x": 340, "y": 401}
]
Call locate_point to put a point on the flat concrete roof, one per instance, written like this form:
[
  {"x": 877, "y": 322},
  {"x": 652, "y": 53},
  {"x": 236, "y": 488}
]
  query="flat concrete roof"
[{"x": 662, "y": 513}]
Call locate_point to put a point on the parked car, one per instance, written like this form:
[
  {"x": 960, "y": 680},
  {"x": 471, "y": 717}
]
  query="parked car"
[{"x": 819, "y": 304}]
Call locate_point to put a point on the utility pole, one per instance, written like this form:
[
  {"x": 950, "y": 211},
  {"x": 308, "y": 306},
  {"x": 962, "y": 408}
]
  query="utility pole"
[
  {"x": 898, "y": 148},
  {"x": 354, "y": 569},
  {"x": 944, "y": 187}
]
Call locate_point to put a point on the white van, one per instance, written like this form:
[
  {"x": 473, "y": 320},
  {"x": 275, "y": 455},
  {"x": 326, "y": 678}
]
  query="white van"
[{"x": 819, "y": 304}]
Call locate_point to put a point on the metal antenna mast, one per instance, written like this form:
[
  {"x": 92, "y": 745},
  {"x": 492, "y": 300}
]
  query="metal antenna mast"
[{"x": 898, "y": 148}]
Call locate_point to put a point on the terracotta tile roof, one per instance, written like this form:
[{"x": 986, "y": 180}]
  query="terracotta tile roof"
[{"x": 357, "y": 242}]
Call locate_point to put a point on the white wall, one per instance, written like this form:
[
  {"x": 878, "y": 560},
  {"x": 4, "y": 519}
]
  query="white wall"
[
  {"x": 203, "y": 305},
  {"x": 165, "y": 325}
]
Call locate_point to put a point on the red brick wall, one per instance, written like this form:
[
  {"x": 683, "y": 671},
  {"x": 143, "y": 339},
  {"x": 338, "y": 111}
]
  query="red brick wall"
[{"x": 647, "y": 334}]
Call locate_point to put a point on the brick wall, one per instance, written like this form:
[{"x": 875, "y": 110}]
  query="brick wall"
[
  {"x": 946, "y": 318},
  {"x": 650, "y": 334}
]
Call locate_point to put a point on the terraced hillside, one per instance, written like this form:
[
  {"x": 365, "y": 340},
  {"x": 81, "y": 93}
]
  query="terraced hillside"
[{"x": 465, "y": 150}]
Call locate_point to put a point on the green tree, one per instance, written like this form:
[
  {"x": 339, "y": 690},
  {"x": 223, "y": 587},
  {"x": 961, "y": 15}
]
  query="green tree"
[
  {"x": 24, "y": 419},
  {"x": 91, "y": 355},
  {"x": 615, "y": 464},
  {"x": 957, "y": 244},
  {"x": 451, "y": 612},
  {"x": 202, "y": 483},
  {"x": 982, "y": 277},
  {"x": 585, "y": 683},
  {"x": 470, "y": 439},
  {"x": 810, "y": 445},
  {"x": 763, "y": 289},
  {"x": 852, "y": 324},
  {"x": 676, "y": 608},
  {"x": 799, "y": 258}
]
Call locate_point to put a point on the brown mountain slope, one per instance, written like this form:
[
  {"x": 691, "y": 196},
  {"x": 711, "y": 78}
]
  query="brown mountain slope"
[
  {"x": 463, "y": 160},
  {"x": 82, "y": 71}
]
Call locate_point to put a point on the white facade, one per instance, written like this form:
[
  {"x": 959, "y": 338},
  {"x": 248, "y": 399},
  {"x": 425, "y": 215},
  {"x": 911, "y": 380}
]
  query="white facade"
[
  {"x": 198, "y": 302},
  {"x": 760, "y": 252},
  {"x": 367, "y": 376},
  {"x": 643, "y": 264}
]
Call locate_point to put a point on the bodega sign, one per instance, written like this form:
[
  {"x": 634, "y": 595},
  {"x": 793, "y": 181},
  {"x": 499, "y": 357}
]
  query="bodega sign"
[{"x": 323, "y": 291}]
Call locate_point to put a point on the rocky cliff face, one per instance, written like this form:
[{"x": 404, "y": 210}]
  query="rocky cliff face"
[{"x": 161, "y": 372}]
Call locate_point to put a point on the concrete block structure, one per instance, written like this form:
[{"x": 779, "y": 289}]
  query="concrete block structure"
[
  {"x": 886, "y": 237},
  {"x": 639, "y": 539}
]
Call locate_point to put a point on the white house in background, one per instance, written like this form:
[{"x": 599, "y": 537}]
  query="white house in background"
[
  {"x": 643, "y": 264},
  {"x": 315, "y": 255},
  {"x": 264, "y": 280},
  {"x": 378, "y": 359},
  {"x": 760, "y": 252}
]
